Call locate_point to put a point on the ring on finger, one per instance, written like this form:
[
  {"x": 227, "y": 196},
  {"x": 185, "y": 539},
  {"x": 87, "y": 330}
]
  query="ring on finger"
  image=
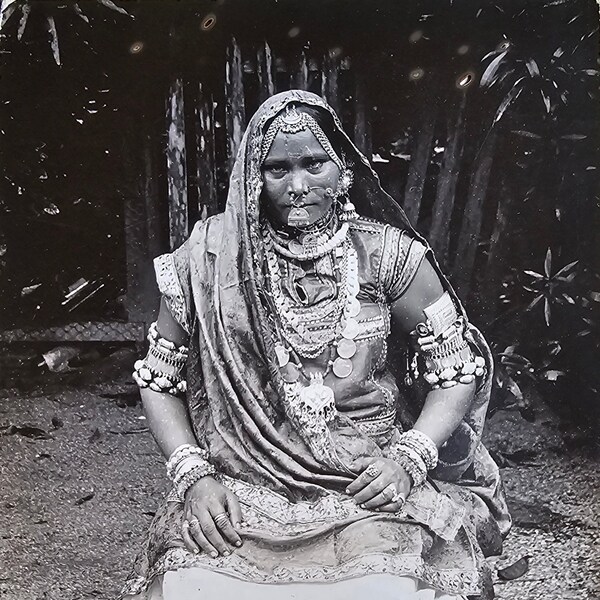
[
  {"x": 372, "y": 470},
  {"x": 390, "y": 491},
  {"x": 221, "y": 520},
  {"x": 192, "y": 523},
  {"x": 398, "y": 498}
]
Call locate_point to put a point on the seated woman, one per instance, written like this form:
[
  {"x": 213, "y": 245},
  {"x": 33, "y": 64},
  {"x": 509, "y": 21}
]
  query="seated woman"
[{"x": 317, "y": 390}]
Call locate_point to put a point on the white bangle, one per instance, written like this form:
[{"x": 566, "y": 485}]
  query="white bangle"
[
  {"x": 181, "y": 453},
  {"x": 422, "y": 444}
]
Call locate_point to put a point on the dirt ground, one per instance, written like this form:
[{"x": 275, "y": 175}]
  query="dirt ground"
[{"x": 78, "y": 492}]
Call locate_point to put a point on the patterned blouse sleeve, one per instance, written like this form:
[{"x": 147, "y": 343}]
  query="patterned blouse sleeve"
[
  {"x": 401, "y": 256},
  {"x": 173, "y": 279}
]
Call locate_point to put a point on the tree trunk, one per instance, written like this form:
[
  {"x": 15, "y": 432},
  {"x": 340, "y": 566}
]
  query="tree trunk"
[
  {"x": 234, "y": 95},
  {"x": 329, "y": 80},
  {"x": 419, "y": 162},
  {"x": 439, "y": 235},
  {"x": 206, "y": 177},
  {"x": 468, "y": 241},
  {"x": 362, "y": 124},
  {"x": 264, "y": 68},
  {"x": 176, "y": 166},
  {"x": 496, "y": 264}
]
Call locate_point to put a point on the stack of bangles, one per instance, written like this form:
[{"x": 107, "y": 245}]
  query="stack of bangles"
[
  {"x": 163, "y": 367},
  {"x": 416, "y": 453},
  {"x": 187, "y": 465}
]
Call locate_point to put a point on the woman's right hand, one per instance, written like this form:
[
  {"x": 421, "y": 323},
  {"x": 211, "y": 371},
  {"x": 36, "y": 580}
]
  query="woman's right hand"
[{"x": 211, "y": 517}]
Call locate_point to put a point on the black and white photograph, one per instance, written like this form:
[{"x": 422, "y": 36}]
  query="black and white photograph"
[{"x": 299, "y": 299}]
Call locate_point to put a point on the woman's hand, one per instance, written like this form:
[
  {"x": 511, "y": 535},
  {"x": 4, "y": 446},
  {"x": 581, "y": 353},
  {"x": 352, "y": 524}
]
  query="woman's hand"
[
  {"x": 211, "y": 517},
  {"x": 381, "y": 481}
]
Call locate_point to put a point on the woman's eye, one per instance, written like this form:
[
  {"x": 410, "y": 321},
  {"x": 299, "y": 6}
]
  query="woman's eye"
[
  {"x": 276, "y": 171},
  {"x": 315, "y": 165}
]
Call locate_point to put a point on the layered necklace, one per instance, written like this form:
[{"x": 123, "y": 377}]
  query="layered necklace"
[{"x": 306, "y": 332}]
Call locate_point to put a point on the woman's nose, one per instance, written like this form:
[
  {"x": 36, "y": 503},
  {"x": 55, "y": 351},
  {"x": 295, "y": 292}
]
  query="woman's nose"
[{"x": 298, "y": 184}]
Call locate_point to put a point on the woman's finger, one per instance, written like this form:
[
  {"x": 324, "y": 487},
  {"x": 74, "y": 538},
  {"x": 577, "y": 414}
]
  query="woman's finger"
[
  {"x": 189, "y": 542},
  {"x": 197, "y": 540},
  {"x": 371, "y": 472},
  {"x": 234, "y": 509},
  {"x": 370, "y": 491},
  {"x": 223, "y": 522},
  {"x": 391, "y": 507},
  {"x": 212, "y": 533},
  {"x": 382, "y": 498}
]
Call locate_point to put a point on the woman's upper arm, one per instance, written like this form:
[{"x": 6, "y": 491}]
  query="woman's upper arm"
[
  {"x": 424, "y": 289},
  {"x": 168, "y": 327}
]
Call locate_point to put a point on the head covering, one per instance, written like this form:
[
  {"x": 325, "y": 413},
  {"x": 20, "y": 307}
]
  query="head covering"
[{"x": 234, "y": 383}]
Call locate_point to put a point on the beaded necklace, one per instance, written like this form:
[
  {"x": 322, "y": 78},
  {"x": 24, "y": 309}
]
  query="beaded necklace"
[{"x": 297, "y": 341}]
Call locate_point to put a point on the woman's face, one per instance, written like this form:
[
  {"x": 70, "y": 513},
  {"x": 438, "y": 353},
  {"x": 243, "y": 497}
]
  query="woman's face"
[{"x": 296, "y": 173}]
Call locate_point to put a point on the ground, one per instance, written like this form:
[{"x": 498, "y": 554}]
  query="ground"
[{"x": 77, "y": 494}]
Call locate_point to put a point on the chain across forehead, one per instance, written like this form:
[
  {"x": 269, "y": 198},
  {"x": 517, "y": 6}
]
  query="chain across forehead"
[{"x": 291, "y": 120}]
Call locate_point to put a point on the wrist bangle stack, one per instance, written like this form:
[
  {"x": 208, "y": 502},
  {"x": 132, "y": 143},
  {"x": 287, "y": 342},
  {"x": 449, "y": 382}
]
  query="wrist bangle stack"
[
  {"x": 417, "y": 473},
  {"x": 186, "y": 465},
  {"x": 180, "y": 454},
  {"x": 416, "y": 453},
  {"x": 423, "y": 445}
]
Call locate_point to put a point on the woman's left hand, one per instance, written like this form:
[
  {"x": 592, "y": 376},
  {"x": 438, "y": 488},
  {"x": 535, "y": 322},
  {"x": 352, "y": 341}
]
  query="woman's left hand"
[{"x": 383, "y": 484}]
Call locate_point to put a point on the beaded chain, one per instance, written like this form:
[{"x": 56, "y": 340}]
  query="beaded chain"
[{"x": 305, "y": 342}]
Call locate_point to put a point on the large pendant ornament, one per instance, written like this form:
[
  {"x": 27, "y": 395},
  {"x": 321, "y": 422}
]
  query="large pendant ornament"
[
  {"x": 342, "y": 367},
  {"x": 351, "y": 329},
  {"x": 318, "y": 397},
  {"x": 298, "y": 217},
  {"x": 352, "y": 308},
  {"x": 290, "y": 373},
  {"x": 346, "y": 348}
]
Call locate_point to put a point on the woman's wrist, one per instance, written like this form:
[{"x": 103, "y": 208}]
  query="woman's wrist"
[
  {"x": 187, "y": 465},
  {"x": 416, "y": 453}
]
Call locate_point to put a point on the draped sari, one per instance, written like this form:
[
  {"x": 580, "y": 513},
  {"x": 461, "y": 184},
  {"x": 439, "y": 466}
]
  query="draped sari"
[{"x": 300, "y": 525}]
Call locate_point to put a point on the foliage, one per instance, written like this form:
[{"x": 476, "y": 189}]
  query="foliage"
[
  {"x": 554, "y": 317},
  {"x": 23, "y": 9}
]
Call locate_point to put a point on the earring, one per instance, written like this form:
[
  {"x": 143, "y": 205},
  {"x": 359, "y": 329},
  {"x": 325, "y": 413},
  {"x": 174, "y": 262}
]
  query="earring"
[{"x": 344, "y": 185}]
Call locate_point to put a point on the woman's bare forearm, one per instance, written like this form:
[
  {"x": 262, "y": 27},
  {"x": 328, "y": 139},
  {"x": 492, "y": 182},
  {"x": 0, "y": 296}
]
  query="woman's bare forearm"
[
  {"x": 168, "y": 420},
  {"x": 443, "y": 410}
]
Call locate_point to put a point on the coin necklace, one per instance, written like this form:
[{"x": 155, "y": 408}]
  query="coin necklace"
[{"x": 316, "y": 396}]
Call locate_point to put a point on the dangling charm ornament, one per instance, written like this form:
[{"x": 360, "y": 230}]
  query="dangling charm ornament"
[
  {"x": 318, "y": 397},
  {"x": 298, "y": 217},
  {"x": 344, "y": 185}
]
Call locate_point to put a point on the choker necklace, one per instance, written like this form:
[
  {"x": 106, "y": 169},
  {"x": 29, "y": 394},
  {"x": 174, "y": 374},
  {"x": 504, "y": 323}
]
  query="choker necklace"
[{"x": 312, "y": 243}]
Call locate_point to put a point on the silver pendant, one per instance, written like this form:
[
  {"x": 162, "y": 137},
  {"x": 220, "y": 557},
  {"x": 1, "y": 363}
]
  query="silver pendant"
[
  {"x": 290, "y": 373},
  {"x": 352, "y": 308},
  {"x": 298, "y": 217},
  {"x": 346, "y": 348},
  {"x": 317, "y": 396},
  {"x": 353, "y": 286},
  {"x": 351, "y": 329},
  {"x": 342, "y": 367},
  {"x": 296, "y": 247}
]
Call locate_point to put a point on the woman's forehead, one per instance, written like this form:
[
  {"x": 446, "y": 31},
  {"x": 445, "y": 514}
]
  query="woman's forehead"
[{"x": 295, "y": 145}]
